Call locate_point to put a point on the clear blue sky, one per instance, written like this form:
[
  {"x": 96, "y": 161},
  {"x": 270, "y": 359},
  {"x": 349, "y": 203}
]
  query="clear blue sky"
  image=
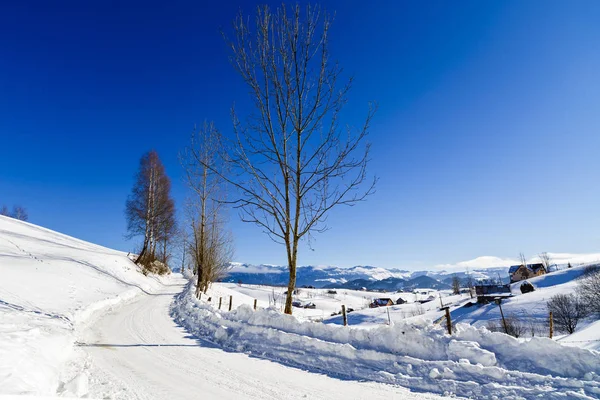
[{"x": 486, "y": 142}]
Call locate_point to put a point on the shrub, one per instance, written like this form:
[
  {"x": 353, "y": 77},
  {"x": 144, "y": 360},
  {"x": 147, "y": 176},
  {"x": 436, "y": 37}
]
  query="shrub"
[
  {"x": 151, "y": 265},
  {"x": 526, "y": 287},
  {"x": 514, "y": 326},
  {"x": 589, "y": 289},
  {"x": 567, "y": 310}
]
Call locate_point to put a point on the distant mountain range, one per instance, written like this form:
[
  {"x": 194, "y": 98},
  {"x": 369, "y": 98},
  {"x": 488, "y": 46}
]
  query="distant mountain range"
[{"x": 369, "y": 277}]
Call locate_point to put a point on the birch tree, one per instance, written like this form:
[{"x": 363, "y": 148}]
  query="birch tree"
[
  {"x": 150, "y": 210},
  {"x": 292, "y": 159}
]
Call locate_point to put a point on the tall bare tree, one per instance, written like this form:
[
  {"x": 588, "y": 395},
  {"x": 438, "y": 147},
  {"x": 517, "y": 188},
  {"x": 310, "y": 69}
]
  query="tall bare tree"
[
  {"x": 546, "y": 260},
  {"x": 292, "y": 159},
  {"x": 150, "y": 210},
  {"x": 210, "y": 245}
]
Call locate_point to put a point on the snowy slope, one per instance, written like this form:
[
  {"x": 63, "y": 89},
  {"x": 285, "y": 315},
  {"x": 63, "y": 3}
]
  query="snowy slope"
[
  {"x": 50, "y": 284},
  {"x": 529, "y": 306}
]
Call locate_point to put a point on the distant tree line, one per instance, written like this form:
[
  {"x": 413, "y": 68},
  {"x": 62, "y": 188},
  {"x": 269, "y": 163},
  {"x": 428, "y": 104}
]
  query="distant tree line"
[{"x": 17, "y": 212}]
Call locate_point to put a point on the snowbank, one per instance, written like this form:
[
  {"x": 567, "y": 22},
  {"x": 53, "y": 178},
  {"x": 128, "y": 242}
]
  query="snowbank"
[
  {"x": 472, "y": 363},
  {"x": 52, "y": 284}
]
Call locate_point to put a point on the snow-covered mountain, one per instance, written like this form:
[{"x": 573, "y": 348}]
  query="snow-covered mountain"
[
  {"x": 355, "y": 277},
  {"x": 483, "y": 268},
  {"x": 318, "y": 276}
]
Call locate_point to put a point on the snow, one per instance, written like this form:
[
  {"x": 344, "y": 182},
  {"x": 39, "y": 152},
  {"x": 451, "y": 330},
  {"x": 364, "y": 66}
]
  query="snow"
[
  {"x": 52, "y": 284},
  {"x": 139, "y": 352},
  {"x": 80, "y": 320},
  {"x": 419, "y": 355},
  {"x": 528, "y": 307}
]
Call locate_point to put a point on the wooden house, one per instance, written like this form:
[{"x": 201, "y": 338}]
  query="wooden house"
[
  {"x": 521, "y": 272},
  {"x": 381, "y": 302}
]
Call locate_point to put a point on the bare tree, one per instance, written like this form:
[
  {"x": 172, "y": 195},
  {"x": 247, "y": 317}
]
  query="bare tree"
[
  {"x": 546, "y": 260},
  {"x": 20, "y": 213},
  {"x": 211, "y": 244},
  {"x": 469, "y": 283},
  {"x": 567, "y": 310},
  {"x": 512, "y": 325},
  {"x": 589, "y": 289},
  {"x": 523, "y": 259},
  {"x": 292, "y": 161},
  {"x": 150, "y": 210},
  {"x": 167, "y": 232},
  {"x": 455, "y": 284},
  {"x": 181, "y": 246}
]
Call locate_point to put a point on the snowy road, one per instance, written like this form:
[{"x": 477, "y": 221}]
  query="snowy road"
[{"x": 139, "y": 352}]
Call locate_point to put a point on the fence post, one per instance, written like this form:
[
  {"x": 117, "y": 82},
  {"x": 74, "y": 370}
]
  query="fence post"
[
  {"x": 230, "y": 302},
  {"x": 344, "y": 315},
  {"x": 220, "y": 298},
  {"x": 499, "y": 302},
  {"x": 551, "y": 325},
  {"x": 254, "y": 304},
  {"x": 448, "y": 320}
]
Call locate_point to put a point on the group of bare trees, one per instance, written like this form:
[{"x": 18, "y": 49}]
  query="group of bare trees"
[
  {"x": 17, "y": 212},
  {"x": 288, "y": 164},
  {"x": 545, "y": 259},
  {"x": 150, "y": 211}
]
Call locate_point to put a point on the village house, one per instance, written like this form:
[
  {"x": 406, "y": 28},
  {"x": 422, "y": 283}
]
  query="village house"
[
  {"x": 382, "y": 302},
  {"x": 521, "y": 272}
]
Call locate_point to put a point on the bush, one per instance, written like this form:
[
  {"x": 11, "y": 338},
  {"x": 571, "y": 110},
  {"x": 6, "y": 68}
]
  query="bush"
[
  {"x": 567, "y": 310},
  {"x": 514, "y": 326},
  {"x": 526, "y": 287},
  {"x": 151, "y": 265},
  {"x": 589, "y": 289}
]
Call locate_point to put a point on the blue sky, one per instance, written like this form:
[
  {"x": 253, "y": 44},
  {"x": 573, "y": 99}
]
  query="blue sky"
[{"x": 486, "y": 140}]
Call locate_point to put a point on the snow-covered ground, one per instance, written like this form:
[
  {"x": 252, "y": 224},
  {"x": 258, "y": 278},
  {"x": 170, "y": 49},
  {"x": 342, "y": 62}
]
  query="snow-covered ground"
[
  {"x": 50, "y": 285},
  {"x": 139, "y": 352},
  {"x": 153, "y": 339},
  {"x": 417, "y": 354},
  {"x": 330, "y": 301}
]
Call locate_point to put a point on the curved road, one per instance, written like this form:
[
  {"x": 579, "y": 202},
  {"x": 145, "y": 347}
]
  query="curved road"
[{"x": 138, "y": 352}]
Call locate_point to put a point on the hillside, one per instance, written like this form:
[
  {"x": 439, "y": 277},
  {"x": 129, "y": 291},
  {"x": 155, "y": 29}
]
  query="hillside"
[{"x": 51, "y": 284}]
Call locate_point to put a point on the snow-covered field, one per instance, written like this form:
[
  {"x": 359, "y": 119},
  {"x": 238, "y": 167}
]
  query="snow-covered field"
[
  {"x": 78, "y": 319},
  {"x": 330, "y": 301},
  {"x": 50, "y": 286},
  {"x": 418, "y": 355}
]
